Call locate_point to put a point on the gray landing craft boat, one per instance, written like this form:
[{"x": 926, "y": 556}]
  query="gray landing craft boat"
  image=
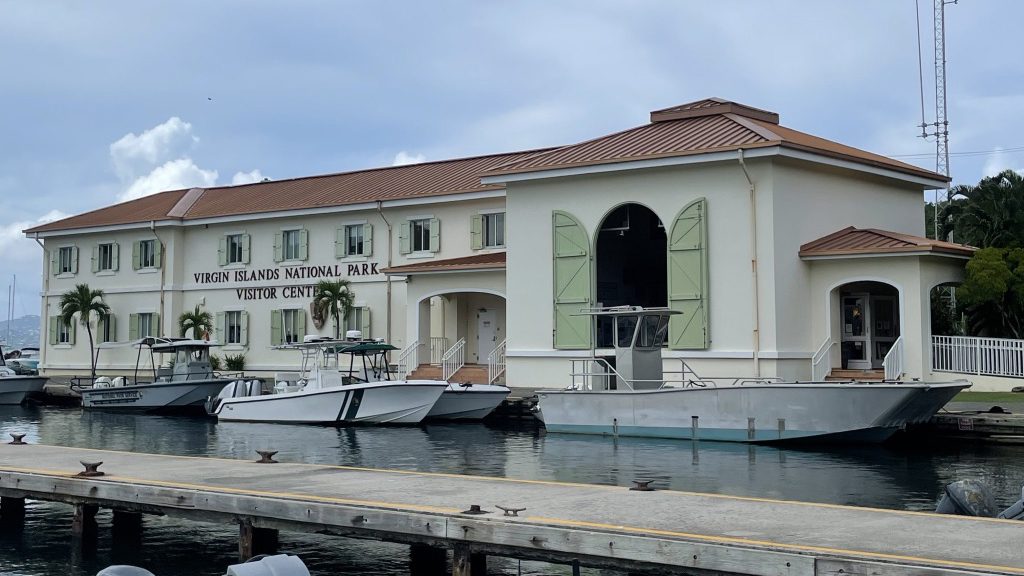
[
  {"x": 14, "y": 388},
  {"x": 183, "y": 387},
  {"x": 630, "y": 394}
]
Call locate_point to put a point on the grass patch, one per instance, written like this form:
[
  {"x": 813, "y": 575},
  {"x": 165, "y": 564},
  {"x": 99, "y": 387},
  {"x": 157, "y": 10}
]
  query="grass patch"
[{"x": 989, "y": 397}]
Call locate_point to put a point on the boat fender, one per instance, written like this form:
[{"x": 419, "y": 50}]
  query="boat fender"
[
  {"x": 1016, "y": 510},
  {"x": 119, "y": 381},
  {"x": 967, "y": 498},
  {"x": 124, "y": 570},
  {"x": 277, "y": 565},
  {"x": 101, "y": 382}
]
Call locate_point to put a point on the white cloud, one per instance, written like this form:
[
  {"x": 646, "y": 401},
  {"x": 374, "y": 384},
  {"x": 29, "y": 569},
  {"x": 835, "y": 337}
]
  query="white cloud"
[
  {"x": 133, "y": 155},
  {"x": 247, "y": 177},
  {"x": 403, "y": 158},
  {"x": 15, "y": 247},
  {"x": 997, "y": 162},
  {"x": 172, "y": 175}
]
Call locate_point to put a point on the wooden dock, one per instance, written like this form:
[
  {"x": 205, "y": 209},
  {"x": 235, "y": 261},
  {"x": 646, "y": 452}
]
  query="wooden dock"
[{"x": 659, "y": 531}]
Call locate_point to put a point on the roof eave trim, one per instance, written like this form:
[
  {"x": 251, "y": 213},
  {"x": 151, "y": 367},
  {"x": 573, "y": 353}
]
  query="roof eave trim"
[
  {"x": 31, "y": 233},
  {"x": 876, "y": 254},
  {"x": 822, "y": 157}
]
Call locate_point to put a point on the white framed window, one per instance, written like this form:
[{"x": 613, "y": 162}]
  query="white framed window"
[
  {"x": 234, "y": 249},
  {"x": 233, "y": 327},
  {"x": 64, "y": 333},
  {"x": 419, "y": 235},
  {"x": 290, "y": 243},
  {"x": 354, "y": 238},
  {"x": 292, "y": 326},
  {"x": 147, "y": 254},
  {"x": 105, "y": 257},
  {"x": 146, "y": 324},
  {"x": 494, "y": 230},
  {"x": 66, "y": 260},
  {"x": 106, "y": 329}
]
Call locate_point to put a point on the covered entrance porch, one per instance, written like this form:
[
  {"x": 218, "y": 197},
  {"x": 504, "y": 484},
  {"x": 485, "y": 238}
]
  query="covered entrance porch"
[{"x": 456, "y": 320}]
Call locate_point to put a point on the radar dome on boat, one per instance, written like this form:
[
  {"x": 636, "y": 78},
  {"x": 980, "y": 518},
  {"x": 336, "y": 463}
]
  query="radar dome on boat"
[
  {"x": 353, "y": 335},
  {"x": 277, "y": 565},
  {"x": 124, "y": 570}
]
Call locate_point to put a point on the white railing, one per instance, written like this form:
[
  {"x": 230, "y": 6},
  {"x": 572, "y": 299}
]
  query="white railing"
[
  {"x": 438, "y": 346},
  {"x": 408, "y": 360},
  {"x": 454, "y": 359},
  {"x": 893, "y": 362},
  {"x": 821, "y": 362},
  {"x": 972, "y": 355},
  {"x": 496, "y": 362},
  {"x": 598, "y": 374}
]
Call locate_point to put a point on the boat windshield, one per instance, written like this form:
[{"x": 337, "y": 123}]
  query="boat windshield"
[
  {"x": 625, "y": 328},
  {"x": 653, "y": 331},
  {"x": 186, "y": 355}
]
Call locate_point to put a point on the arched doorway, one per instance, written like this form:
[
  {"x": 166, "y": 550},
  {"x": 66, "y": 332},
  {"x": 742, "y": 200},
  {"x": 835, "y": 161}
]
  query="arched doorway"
[
  {"x": 630, "y": 262},
  {"x": 869, "y": 323}
]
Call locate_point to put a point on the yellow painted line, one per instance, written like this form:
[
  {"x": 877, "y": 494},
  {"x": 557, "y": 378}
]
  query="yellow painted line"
[
  {"x": 758, "y": 499},
  {"x": 795, "y": 547}
]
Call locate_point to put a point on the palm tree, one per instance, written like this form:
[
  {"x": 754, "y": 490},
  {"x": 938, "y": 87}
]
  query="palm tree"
[
  {"x": 333, "y": 298},
  {"x": 990, "y": 214},
  {"x": 84, "y": 301},
  {"x": 199, "y": 322}
]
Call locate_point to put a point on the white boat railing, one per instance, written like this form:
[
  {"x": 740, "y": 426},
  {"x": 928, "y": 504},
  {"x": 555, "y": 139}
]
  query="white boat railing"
[
  {"x": 893, "y": 362},
  {"x": 454, "y": 359},
  {"x": 974, "y": 355},
  {"x": 821, "y": 362},
  {"x": 597, "y": 374},
  {"x": 438, "y": 346},
  {"x": 496, "y": 362},
  {"x": 408, "y": 360}
]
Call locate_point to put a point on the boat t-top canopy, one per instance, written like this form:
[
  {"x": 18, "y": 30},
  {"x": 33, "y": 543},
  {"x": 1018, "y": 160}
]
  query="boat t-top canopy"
[
  {"x": 161, "y": 345},
  {"x": 627, "y": 311}
]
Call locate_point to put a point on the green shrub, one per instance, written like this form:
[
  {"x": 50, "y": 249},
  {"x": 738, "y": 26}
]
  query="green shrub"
[
  {"x": 235, "y": 363},
  {"x": 215, "y": 362}
]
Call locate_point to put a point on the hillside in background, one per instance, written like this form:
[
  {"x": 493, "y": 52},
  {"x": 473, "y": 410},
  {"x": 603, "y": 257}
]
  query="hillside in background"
[{"x": 24, "y": 332}]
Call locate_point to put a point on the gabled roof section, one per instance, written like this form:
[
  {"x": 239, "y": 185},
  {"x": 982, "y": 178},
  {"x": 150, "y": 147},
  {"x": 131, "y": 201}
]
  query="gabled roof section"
[
  {"x": 701, "y": 127},
  {"x": 146, "y": 209},
  {"x": 411, "y": 181},
  {"x": 476, "y": 262},
  {"x": 853, "y": 242}
]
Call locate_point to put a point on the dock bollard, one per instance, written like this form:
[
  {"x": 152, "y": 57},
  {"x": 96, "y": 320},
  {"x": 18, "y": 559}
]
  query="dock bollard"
[
  {"x": 642, "y": 486},
  {"x": 90, "y": 469},
  {"x": 17, "y": 439},
  {"x": 266, "y": 456},
  {"x": 474, "y": 509},
  {"x": 509, "y": 511}
]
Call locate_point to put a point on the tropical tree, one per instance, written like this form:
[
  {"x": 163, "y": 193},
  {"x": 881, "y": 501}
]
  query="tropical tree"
[
  {"x": 200, "y": 322},
  {"x": 333, "y": 298},
  {"x": 993, "y": 292},
  {"x": 990, "y": 214},
  {"x": 84, "y": 302}
]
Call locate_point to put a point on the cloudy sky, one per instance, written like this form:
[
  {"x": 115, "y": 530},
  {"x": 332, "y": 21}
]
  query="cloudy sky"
[{"x": 104, "y": 101}]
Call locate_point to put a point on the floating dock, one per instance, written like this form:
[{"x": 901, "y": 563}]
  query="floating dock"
[{"x": 661, "y": 531}]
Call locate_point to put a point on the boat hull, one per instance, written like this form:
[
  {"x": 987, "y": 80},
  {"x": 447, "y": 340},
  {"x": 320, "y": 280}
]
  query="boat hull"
[
  {"x": 839, "y": 412},
  {"x": 468, "y": 402},
  {"x": 394, "y": 402},
  {"x": 14, "y": 389},
  {"x": 185, "y": 396}
]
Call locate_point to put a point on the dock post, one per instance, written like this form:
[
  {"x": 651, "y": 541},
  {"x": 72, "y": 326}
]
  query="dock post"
[
  {"x": 426, "y": 560},
  {"x": 253, "y": 541},
  {"x": 83, "y": 532},
  {"x": 12, "y": 510},
  {"x": 467, "y": 563},
  {"x": 126, "y": 530}
]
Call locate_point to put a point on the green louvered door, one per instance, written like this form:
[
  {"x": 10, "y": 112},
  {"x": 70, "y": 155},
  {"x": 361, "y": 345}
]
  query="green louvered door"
[
  {"x": 688, "y": 277},
  {"x": 571, "y": 255}
]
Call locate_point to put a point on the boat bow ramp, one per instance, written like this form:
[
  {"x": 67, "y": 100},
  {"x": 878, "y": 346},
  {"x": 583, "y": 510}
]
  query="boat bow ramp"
[{"x": 662, "y": 531}]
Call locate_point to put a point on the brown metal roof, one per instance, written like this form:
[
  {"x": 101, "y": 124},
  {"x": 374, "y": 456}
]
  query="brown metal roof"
[
  {"x": 391, "y": 183},
  {"x": 145, "y": 209},
  {"x": 488, "y": 261},
  {"x": 711, "y": 125},
  {"x": 853, "y": 241}
]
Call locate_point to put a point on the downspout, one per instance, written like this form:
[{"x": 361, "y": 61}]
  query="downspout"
[
  {"x": 163, "y": 272},
  {"x": 46, "y": 291},
  {"x": 753, "y": 266},
  {"x": 387, "y": 277}
]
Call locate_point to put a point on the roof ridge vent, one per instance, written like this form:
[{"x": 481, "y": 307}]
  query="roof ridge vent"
[
  {"x": 185, "y": 202},
  {"x": 712, "y": 107}
]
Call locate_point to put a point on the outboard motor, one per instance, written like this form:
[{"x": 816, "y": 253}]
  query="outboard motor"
[
  {"x": 1015, "y": 511},
  {"x": 967, "y": 498},
  {"x": 277, "y": 565}
]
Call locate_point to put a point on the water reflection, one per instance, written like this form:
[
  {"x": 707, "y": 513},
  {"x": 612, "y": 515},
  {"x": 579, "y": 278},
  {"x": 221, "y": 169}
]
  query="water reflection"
[{"x": 904, "y": 477}]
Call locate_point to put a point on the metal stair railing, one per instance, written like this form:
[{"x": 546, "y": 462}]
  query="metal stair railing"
[
  {"x": 893, "y": 362},
  {"x": 454, "y": 359},
  {"x": 821, "y": 362},
  {"x": 408, "y": 357},
  {"x": 496, "y": 362}
]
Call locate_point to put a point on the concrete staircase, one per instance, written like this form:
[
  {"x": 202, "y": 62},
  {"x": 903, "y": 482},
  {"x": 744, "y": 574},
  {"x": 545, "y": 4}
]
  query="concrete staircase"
[
  {"x": 473, "y": 373},
  {"x": 838, "y": 374}
]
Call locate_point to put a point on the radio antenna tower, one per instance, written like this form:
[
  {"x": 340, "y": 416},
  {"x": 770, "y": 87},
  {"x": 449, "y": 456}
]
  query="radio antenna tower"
[{"x": 939, "y": 128}]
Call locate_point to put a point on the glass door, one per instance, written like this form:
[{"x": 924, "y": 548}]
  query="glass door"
[
  {"x": 885, "y": 329},
  {"x": 856, "y": 332}
]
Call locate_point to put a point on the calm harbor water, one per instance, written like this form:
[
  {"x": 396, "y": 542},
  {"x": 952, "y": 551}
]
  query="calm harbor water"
[{"x": 891, "y": 476}]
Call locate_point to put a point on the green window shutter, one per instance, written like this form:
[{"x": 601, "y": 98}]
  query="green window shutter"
[
  {"x": 572, "y": 282},
  {"x": 340, "y": 243},
  {"x": 133, "y": 327},
  {"x": 245, "y": 329},
  {"x": 111, "y": 321},
  {"x": 222, "y": 251},
  {"x": 53, "y": 329},
  {"x": 435, "y": 235},
  {"x": 276, "y": 328},
  {"x": 158, "y": 254},
  {"x": 99, "y": 329},
  {"x": 476, "y": 231},
  {"x": 246, "y": 239},
  {"x": 365, "y": 328},
  {"x": 300, "y": 324},
  {"x": 303, "y": 244},
  {"x": 158, "y": 329},
  {"x": 74, "y": 259},
  {"x": 54, "y": 262},
  {"x": 95, "y": 258},
  {"x": 221, "y": 326},
  {"x": 367, "y": 239},
  {"x": 688, "y": 278},
  {"x": 116, "y": 256},
  {"x": 278, "y": 246},
  {"x": 136, "y": 255},
  {"x": 72, "y": 330},
  {"x": 403, "y": 237}
]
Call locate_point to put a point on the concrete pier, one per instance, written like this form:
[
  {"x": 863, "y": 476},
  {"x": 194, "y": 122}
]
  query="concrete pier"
[{"x": 660, "y": 531}]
